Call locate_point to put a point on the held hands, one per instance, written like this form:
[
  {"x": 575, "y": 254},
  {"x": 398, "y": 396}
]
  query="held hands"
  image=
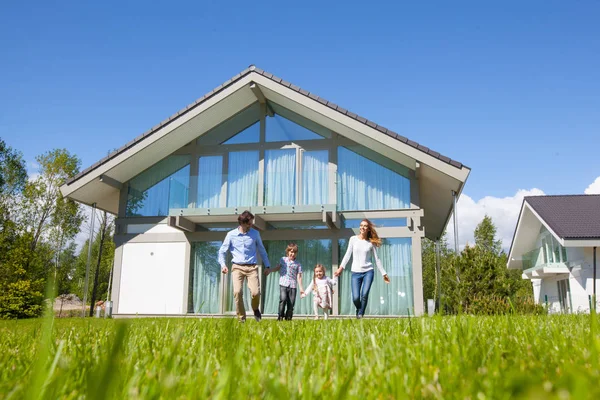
[
  {"x": 386, "y": 278},
  {"x": 338, "y": 272},
  {"x": 267, "y": 271}
]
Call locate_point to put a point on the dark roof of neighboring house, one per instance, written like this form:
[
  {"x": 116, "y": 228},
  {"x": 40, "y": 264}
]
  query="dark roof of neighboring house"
[
  {"x": 569, "y": 216},
  {"x": 272, "y": 77}
]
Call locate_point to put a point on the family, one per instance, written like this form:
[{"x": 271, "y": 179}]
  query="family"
[{"x": 243, "y": 242}]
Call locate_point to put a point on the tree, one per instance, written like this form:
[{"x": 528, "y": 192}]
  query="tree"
[
  {"x": 45, "y": 213},
  {"x": 485, "y": 236},
  {"x": 485, "y": 286},
  {"x": 104, "y": 231}
]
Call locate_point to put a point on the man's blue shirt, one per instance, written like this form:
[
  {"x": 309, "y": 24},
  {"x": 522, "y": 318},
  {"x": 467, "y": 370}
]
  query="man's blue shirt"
[{"x": 243, "y": 247}]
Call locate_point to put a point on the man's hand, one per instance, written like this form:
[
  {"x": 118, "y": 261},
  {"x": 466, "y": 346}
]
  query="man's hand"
[{"x": 224, "y": 270}]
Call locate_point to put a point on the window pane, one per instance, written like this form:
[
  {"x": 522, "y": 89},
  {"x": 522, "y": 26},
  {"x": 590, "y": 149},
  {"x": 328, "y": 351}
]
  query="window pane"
[
  {"x": 249, "y": 135},
  {"x": 282, "y": 129},
  {"x": 395, "y": 298},
  {"x": 205, "y": 279},
  {"x": 242, "y": 180},
  {"x": 315, "y": 167},
  {"x": 366, "y": 185},
  {"x": 210, "y": 180},
  {"x": 310, "y": 253},
  {"x": 163, "y": 186},
  {"x": 280, "y": 177}
]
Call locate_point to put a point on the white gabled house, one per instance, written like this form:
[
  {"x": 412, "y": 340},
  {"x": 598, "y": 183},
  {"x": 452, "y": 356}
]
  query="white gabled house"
[
  {"x": 555, "y": 245},
  {"x": 308, "y": 169}
]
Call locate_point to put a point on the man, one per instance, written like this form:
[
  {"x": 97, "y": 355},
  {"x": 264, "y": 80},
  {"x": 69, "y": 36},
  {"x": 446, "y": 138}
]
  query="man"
[{"x": 243, "y": 242}]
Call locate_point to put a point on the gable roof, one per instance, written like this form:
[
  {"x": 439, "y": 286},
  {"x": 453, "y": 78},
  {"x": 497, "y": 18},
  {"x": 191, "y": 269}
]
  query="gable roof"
[
  {"x": 569, "y": 216},
  {"x": 573, "y": 220},
  {"x": 284, "y": 83},
  {"x": 436, "y": 176}
]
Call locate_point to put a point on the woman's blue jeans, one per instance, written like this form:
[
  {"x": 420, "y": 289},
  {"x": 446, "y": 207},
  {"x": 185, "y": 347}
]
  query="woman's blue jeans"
[{"x": 361, "y": 285}]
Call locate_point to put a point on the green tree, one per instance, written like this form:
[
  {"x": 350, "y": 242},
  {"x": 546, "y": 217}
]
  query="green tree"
[{"x": 485, "y": 236}]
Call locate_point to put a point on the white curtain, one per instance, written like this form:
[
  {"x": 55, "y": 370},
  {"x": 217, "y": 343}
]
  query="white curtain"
[
  {"x": 205, "y": 279},
  {"x": 164, "y": 185},
  {"x": 210, "y": 179},
  {"x": 242, "y": 190},
  {"x": 366, "y": 185},
  {"x": 395, "y": 298},
  {"x": 315, "y": 167},
  {"x": 280, "y": 177}
]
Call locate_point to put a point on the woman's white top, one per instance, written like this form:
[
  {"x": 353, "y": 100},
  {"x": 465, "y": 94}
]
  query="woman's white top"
[{"x": 362, "y": 252}]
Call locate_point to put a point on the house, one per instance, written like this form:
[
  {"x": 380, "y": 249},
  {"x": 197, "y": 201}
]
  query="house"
[
  {"x": 308, "y": 169},
  {"x": 555, "y": 246}
]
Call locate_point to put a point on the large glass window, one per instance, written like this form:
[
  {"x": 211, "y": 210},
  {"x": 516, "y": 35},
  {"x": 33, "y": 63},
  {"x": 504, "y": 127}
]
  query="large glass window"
[
  {"x": 210, "y": 180},
  {"x": 366, "y": 185},
  {"x": 163, "y": 186},
  {"x": 205, "y": 279},
  {"x": 310, "y": 253},
  {"x": 315, "y": 168},
  {"x": 242, "y": 179},
  {"x": 395, "y": 298},
  {"x": 249, "y": 135},
  {"x": 280, "y": 177}
]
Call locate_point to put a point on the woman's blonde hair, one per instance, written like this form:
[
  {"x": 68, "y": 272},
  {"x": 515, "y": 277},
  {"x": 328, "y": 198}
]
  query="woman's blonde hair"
[
  {"x": 291, "y": 246},
  {"x": 372, "y": 235}
]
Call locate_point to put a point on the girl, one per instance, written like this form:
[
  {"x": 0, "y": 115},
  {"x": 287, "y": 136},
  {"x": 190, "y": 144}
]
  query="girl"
[
  {"x": 322, "y": 288},
  {"x": 290, "y": 272},
  {"x": 362, "y": 248}
]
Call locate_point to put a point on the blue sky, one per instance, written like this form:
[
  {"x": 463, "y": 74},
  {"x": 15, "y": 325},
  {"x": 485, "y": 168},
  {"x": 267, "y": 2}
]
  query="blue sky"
[{"x": 511, "y": 89}]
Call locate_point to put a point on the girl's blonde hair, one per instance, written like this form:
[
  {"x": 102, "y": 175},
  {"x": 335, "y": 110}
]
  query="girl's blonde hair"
[
  {"x": 372, "y": 235},
  {"x": 291, "y": 246},
  {"x": 315, "y": 275}
]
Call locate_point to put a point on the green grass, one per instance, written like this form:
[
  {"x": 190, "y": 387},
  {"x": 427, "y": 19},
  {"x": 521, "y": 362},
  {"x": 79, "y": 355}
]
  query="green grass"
[{"x": 439, "y": 358}]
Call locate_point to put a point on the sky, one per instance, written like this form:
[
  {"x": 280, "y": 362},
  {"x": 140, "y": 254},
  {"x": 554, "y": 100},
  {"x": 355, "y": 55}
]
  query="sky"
[{"x": 511, "y": 89}]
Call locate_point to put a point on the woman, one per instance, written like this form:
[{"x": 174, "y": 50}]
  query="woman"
[{"x": 362, "y": 248}]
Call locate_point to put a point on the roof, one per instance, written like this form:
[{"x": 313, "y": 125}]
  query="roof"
[
  {"x": 569, "y": 216},
  {"x": 253, "y": 69}
]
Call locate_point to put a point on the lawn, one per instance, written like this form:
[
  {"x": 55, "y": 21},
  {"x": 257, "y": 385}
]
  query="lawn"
[{"x": 451, "y": 357}]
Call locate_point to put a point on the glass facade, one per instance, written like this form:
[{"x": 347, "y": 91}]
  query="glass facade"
[
  {"x": 161, "y": 187},
  {"x": 363, "y": 184},
  {"x": 291, "y": 165}
]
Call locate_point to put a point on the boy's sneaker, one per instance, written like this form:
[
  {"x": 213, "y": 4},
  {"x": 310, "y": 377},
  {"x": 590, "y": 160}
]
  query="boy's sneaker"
[{"x": 257, "y": 315}]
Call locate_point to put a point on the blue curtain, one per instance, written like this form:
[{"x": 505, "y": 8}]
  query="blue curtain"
[
  {"x": 242, "y": 180},
  {"x": 205, "y": 278},
  {"x": 315, "y": 167},
  {"x": 163, "y": 186},
  {"x": 280, "y": 177},
  {"x": 210, "y": 180},
  {"x": 395, "y": 298},
  {"x": 366, "y": 185},
  {"x": 310, "y": 253}
]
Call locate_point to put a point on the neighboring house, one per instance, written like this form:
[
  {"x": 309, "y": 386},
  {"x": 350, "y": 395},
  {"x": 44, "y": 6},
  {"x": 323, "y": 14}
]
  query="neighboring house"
[
  {"x": 555, "y": 244},
  {"x": 308, "y": 169}
]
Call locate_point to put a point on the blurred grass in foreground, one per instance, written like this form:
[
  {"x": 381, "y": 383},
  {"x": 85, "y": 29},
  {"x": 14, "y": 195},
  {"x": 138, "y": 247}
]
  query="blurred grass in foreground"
[{"x": 500, "y": 357}]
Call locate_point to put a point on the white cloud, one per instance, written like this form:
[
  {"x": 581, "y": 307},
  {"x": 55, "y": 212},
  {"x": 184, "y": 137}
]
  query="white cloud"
[
  {"x": 503, "y": 211},
  {"x": 594, "y": 187}
]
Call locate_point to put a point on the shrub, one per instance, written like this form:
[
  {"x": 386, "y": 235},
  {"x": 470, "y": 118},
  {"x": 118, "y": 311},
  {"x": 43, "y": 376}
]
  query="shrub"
[{"x": 21, "y": 299}]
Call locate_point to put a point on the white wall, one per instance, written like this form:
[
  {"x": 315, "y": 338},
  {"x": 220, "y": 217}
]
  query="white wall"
[{"x": 152, "y": 278}]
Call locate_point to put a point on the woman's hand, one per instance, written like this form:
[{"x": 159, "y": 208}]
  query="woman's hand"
[
  {"x": 386, "y": 278},
  {"x": 338, "y": 271}
]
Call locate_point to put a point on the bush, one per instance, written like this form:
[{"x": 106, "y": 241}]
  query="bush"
[
  {"x": 494, "y": 305},
  {"x": 21, "y": 299}
]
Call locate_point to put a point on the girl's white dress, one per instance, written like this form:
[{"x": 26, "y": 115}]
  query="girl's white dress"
[{"x": 323, "y": 293}]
